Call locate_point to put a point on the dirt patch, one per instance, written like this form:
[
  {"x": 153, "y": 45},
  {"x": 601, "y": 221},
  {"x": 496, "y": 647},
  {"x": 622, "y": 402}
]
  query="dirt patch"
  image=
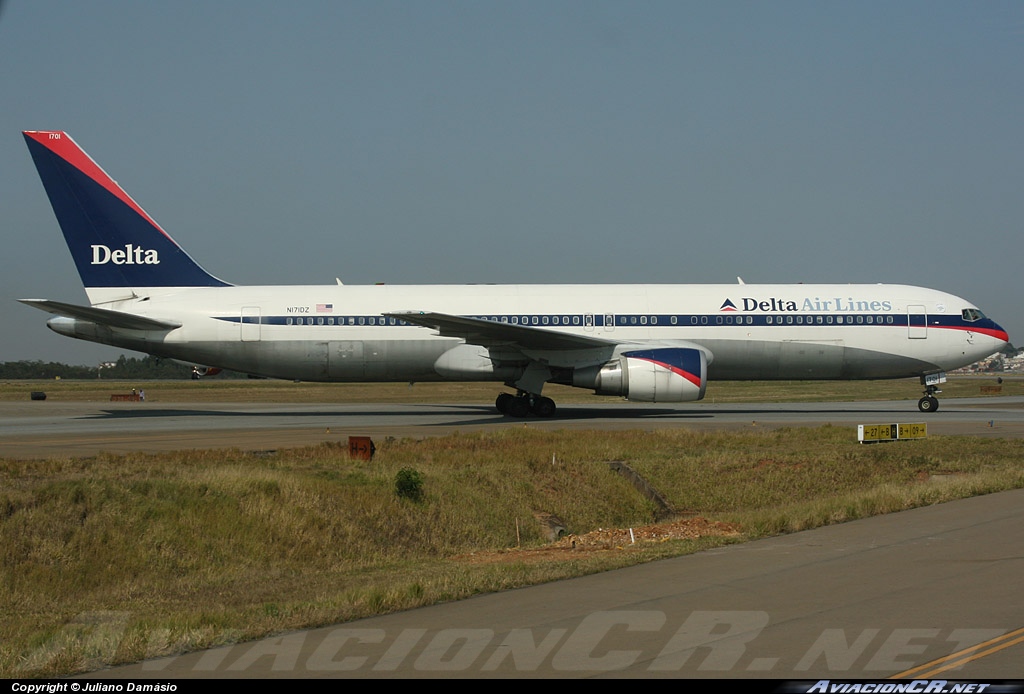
[{"x": 602, "y": 540}]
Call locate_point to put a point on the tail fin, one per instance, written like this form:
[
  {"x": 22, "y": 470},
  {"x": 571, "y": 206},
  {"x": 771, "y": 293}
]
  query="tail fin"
[{"x": 113, "y": 241}]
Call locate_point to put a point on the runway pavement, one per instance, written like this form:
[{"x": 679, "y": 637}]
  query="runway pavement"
[{"x": 38, "y": 429}]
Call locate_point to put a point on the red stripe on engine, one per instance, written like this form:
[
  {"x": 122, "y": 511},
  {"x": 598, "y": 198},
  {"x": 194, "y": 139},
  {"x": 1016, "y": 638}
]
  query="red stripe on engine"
[{"x": 695, "y": 380}]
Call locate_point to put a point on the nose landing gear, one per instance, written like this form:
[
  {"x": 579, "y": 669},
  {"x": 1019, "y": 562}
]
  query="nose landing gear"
[{"x": 930, "y": 403}]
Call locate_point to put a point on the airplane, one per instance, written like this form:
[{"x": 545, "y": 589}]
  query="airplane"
[{"x": 644, "y": 342}]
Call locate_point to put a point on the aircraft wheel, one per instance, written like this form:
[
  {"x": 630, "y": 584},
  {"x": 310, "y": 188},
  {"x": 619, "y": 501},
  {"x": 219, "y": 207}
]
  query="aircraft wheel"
[
  {"x": 544, "y": 407},
  {"x": 928, "y": 404},
  {"x": 503, "y": 402},
  {"x": 518, "y": 407}
]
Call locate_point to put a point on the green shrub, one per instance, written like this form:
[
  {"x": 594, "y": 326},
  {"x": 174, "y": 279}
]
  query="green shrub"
[{"x": 409, "y": 484}]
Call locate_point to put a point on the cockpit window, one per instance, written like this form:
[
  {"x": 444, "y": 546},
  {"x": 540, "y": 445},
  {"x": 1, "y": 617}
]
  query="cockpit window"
[{"x": 972, "y": 314}]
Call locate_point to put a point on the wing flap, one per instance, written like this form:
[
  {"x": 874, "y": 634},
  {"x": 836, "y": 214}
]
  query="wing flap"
[{"x": 490, "y": 333}]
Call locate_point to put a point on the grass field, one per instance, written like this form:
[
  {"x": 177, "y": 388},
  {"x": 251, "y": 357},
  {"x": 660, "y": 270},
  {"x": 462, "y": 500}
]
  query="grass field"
[{"x": 113, "y": 559}]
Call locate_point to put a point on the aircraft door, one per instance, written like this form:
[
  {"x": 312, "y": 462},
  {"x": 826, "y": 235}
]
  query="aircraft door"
[
  {"x": 917, "y": 322},
  {"x": 250, "y": 324}
]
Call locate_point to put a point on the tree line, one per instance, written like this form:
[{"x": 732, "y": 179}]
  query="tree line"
[{"x": 125, "y": 368}]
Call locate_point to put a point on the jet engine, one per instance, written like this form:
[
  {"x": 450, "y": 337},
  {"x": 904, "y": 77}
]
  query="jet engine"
[
  {"x": 668, "y": 374},
  {"x": 203, "y": 371}
]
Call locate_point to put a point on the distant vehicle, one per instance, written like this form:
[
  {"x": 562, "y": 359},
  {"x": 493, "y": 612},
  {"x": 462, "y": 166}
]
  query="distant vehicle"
[{"x": 647, "y": 342}]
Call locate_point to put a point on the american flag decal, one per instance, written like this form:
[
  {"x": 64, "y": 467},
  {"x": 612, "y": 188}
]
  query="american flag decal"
[{"x": 325, "y": 308}]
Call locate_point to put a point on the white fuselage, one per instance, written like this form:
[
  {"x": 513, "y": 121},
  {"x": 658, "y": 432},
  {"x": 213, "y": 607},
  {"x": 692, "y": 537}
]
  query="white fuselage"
[{"x": 340, "y": 333}]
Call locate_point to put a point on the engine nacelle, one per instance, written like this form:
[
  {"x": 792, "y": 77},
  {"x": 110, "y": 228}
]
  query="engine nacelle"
[
  {"x": 667, "y": 374},
  {"x": 203, "y": 371}
]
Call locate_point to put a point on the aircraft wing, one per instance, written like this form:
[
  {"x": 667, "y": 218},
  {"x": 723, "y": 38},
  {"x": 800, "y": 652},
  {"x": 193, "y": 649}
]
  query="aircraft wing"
[
  {"x": 487, "y": 333},
  {"x": 666, "y": 370},
  {"x": 101, "y": 316}
]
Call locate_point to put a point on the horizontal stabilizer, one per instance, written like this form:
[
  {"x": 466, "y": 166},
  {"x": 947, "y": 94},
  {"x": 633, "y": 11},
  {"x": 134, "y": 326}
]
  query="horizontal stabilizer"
[{"x": 101, "y": 316}]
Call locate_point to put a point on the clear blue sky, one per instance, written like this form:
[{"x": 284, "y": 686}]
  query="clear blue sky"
[{"x": 465, "y": 142}]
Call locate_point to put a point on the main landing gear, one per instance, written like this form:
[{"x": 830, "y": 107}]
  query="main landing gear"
[
  {"x": 524, "y": 404},
  {"x": 929, "y": 403}
]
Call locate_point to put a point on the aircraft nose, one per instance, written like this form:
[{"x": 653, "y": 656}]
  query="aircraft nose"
[{"x": 997, "y": 332}]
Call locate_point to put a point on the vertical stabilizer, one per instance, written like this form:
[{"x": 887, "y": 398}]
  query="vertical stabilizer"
[{"x": 114, "y": 243}]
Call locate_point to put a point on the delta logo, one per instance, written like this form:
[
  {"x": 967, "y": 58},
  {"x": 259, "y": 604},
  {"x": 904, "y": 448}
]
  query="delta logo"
[
  {"x": 129, "y": 255},
  {"x": 833, "y": 304},
  {"x": 767, "y": 305}
]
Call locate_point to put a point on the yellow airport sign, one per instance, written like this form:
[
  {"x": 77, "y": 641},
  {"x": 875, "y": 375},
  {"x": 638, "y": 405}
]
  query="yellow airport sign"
[{"x": 873, "y": 433}]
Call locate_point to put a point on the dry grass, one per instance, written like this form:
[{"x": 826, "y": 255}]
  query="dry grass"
[{"x": 118, "y": 558}]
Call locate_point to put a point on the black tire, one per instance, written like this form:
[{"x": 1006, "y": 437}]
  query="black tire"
[
  {"x": 502, "y": 402},
  {"x": 928, "y": 404},
  {"x": 518, "y": 407},
  {"x": 544, "y": 407}
]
